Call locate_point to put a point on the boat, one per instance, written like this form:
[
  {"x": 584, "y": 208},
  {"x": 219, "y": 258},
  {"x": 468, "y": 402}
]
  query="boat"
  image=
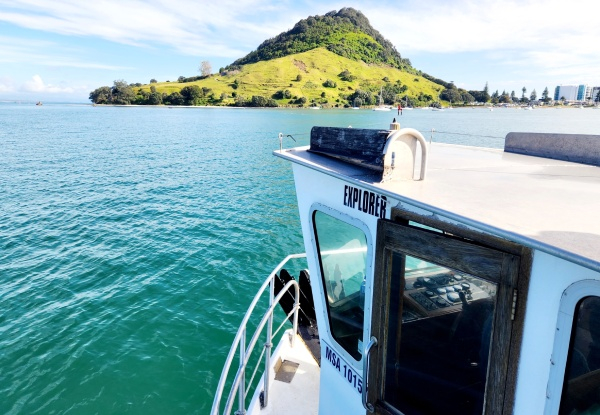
[
  {"x": 39, "y": 103},
  {"x": 381, "y": 106},
  {"x": 439, "y": 279}
]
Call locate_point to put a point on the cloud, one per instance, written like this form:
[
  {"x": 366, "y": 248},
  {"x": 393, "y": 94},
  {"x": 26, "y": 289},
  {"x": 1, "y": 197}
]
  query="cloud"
[
  {"x": 36, "y": 84},
  {"x": 468, "y": 25},
  {"x": 6, "y": 84},
  {"x": 46, "y": 53},
  {"x": 222, "y": 29}
]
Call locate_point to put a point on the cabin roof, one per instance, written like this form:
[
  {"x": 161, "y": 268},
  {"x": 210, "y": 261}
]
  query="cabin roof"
[{"x": 546, "y": 204}]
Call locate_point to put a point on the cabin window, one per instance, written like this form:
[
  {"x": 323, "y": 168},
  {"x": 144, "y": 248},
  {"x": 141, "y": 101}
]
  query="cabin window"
[
  {"x": 441, "y": 308},
  {"x": 581, "y": 387},
  {"x": 441, "y": 342},
  {"x": 342, "y": 250}
]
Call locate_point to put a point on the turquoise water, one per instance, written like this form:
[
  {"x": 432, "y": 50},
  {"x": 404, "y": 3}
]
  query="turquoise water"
[{"x": 133, "y": 239}]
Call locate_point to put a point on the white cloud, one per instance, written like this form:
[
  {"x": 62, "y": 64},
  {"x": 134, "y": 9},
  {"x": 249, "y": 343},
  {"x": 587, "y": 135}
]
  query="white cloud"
[
  {"x": 469, "y": 25},
  {"x": 222, "y": 29},
  {"x": 36, "y": 84},
  {"x": 6, "y": 84}
]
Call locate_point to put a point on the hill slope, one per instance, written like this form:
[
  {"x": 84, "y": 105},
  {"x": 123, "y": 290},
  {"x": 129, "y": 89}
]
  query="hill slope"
[{"x": 314, "y": 75}]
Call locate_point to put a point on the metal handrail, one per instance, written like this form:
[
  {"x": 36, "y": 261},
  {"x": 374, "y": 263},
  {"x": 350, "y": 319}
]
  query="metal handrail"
[{"x": 238, "y": 387}]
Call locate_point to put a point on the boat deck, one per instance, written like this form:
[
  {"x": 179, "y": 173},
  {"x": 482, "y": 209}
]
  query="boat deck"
[
  {"x": 551, "y": 205},
  {"x": 301, "y": 395}
]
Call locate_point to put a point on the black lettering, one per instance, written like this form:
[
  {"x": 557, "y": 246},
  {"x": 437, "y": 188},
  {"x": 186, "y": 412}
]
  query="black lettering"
[
  {"x": 346, "y": 195},
  {"x": 371, "y": 203},
  {"x": 383, "y": 206},
  {"x": 365, "y": 201}
]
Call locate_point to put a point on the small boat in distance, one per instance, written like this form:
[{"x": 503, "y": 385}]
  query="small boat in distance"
[
  {"x": 39, "y": 103},
  {"x": 381, "y": 107}
]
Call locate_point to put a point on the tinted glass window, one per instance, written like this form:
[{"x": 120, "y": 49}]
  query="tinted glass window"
[
  {"x": 343, "y": 255},
  {"x": 437, "y": 355},
  {"x": 581, "y": 388}
]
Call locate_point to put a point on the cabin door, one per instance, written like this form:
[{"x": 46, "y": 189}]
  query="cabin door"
[{"x": 441, "y": 323}]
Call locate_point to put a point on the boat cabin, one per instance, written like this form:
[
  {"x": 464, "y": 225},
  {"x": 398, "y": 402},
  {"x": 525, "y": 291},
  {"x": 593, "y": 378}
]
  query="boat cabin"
[{"x": 443, "y": 278}]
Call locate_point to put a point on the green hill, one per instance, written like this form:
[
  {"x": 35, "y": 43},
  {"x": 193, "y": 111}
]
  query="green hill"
[
  {"x": 335, "y": 60},
  {"x": 347, "y": 33}
]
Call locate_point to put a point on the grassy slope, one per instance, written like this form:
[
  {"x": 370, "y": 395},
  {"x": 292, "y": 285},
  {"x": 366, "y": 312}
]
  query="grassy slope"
[{"x": 316, "y": 66}]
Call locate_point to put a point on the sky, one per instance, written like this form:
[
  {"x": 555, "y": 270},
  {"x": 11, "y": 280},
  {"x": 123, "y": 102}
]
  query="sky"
[{"x": 61, "y": 50}]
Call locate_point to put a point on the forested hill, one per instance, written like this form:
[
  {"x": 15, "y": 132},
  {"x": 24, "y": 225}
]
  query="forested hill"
[{"x": 347, "y": 33}]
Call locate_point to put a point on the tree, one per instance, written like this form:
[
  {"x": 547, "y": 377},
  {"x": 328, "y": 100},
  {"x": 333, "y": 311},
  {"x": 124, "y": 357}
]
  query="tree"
[
  {"x": 362, "y": 96},
  {"x": 240, "y": 101},
  {"x": 155, "y": 98},
  {"x": 451, "y": 95},
  {"x": 122, "y": 93},
  {"x": 102, "y": 95},
  {"x": 533, "y": 95},
  {"x": 174, "y": 98},
  {"x": 495, "y": 97},
  {"x": 205, "y": 68},
  {"x": 504, "y": 98},
  {"x": 545, "y": 95},
  {"x": 153, "y": 81},
  {"x": 191, "y": 94},
  {"x": 298, "y": 78}
]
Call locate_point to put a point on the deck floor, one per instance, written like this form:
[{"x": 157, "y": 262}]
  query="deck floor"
[{"x": 301, "y": 395}]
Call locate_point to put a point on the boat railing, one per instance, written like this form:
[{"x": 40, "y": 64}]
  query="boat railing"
[{"x": 239, "y": 386}]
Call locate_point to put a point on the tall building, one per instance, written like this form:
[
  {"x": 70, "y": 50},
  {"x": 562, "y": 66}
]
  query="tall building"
[{"x": 573, "y": 93}]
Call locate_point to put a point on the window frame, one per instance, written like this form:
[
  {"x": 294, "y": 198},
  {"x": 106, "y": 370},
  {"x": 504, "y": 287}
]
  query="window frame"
[
  {"x": 512, "y": 280},
  {"x": 357, "y": 223},
  {"x": 570, "y": 299}
]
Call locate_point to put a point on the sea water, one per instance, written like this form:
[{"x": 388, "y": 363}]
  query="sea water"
[{"x": 132, "y": 240}]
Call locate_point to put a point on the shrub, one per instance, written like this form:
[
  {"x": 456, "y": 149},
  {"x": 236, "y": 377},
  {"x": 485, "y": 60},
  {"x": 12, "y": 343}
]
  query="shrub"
[
  {"x": 329, "y": 84},
  {"x": 258, "y": 101},
  {"x": 345, "y": 75}
]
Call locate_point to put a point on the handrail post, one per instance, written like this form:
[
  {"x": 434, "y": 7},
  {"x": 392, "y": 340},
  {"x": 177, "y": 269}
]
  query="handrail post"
[
  {"x": 268, "y": 345},
  {"x": 242, "y": 388},
  {"x": 296, "y": 309}
]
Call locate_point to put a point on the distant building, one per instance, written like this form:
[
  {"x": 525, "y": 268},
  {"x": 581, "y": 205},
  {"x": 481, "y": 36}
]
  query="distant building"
[
  {"x": 594, "y": 95},
  {"x": 570, "y": 93},
  {"x": 576, "y": 93}
]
